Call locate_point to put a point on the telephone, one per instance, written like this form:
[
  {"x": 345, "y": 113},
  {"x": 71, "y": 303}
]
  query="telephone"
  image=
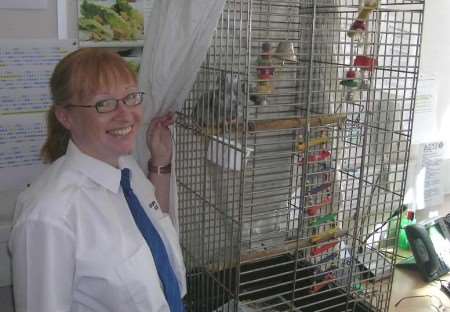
[{"x": 430, "y": 245}]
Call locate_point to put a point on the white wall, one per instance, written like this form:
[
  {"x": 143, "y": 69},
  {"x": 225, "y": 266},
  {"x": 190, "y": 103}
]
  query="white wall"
[
  {"x": 30, "y": 24},
  {"x": 435, "y": 57},
  {"x": 18, "y": 24},
  {"x": 435, "y": 61},
  {"x": 24, "y": 24}
]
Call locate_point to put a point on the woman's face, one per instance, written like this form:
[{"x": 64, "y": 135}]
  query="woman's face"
[{"x": 104, "y": 136}]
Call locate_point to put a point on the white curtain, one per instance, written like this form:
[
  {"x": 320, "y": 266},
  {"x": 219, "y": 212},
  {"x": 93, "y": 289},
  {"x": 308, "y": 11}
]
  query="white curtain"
[{"x": 176, "y": 43}]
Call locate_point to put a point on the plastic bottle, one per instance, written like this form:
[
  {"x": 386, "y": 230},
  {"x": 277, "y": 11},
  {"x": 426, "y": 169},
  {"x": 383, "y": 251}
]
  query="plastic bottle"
[{"x": 407, "y": 218}]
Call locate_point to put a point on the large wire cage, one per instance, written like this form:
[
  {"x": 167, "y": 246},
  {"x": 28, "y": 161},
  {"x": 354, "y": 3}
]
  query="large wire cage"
[{"x": 292, "y": 151}]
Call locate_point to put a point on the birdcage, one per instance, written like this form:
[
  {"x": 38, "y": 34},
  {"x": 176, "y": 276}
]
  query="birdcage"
[{"x": 292, "y": 152}]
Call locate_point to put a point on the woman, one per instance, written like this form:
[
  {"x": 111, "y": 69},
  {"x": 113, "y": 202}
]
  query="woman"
[{"x": 76, "y": 243}]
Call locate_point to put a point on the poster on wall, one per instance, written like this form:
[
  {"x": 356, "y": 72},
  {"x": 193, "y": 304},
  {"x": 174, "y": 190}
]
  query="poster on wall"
[
  {"x": 114, "y": 23},
  {"x": 25, "y": 70},
  {"x": 425, "y": 111},
  {"x": 425, "y": 187}
]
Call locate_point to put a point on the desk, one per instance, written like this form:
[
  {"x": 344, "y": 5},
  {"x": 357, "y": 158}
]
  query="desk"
[{"x": 410, "y": 283}]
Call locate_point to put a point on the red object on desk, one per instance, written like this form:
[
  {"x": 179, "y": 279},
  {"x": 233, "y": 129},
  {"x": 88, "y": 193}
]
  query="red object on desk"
[{"x": 365, "y": 62}]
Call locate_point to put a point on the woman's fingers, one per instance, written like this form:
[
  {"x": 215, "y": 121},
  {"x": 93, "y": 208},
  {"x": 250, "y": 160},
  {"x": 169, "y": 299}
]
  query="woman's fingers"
[{"x": 168, "y": 119}]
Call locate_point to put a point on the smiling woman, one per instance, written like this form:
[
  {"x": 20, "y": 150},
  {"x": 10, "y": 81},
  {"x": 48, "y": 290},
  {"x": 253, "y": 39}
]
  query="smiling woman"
[
  {"x": 89, "y": 234},
  {"x": 82, "y": 77}
]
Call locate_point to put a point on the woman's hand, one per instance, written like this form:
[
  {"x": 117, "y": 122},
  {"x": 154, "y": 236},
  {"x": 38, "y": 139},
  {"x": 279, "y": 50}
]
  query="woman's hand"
[{"x": 159, "y": 139}]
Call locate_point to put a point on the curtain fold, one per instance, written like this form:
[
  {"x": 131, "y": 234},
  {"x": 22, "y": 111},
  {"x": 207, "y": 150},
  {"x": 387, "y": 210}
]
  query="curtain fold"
[{"x": 178, "y": 35}]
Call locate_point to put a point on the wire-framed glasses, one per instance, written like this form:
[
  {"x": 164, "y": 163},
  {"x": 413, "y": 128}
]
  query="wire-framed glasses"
[{"x": 109, "y": 105}]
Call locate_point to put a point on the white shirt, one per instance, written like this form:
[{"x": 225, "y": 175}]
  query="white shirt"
[{"x": 75, "y": 246}]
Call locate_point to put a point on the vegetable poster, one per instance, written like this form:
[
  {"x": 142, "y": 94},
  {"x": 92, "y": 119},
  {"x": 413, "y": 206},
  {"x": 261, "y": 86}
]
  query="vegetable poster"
[{"x": 111, "y": 20}]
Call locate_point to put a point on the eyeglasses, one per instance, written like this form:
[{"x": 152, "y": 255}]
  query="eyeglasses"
[{"x": 109, "y": 105}]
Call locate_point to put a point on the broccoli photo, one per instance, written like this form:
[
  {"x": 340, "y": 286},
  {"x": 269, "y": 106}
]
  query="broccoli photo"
[{"x": 121, "y": 21}]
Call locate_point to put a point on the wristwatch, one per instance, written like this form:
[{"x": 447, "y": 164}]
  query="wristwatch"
[{"x": 159, "y": 169}]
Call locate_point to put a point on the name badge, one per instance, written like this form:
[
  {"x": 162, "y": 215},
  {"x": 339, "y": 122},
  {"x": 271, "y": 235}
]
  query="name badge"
[{"x": 153, "y": 205}]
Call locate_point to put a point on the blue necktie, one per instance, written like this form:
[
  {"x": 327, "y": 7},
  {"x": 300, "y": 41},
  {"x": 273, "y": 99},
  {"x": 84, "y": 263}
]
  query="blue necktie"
[{"x": 156, "y": 245}]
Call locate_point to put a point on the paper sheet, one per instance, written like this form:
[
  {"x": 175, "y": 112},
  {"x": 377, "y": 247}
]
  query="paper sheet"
[
  {"x": 432, "y": 162},
  {"x": 424, "y": 189},
  {"x": 425, "y": 121},
  {"x": 25, "y": 69}
]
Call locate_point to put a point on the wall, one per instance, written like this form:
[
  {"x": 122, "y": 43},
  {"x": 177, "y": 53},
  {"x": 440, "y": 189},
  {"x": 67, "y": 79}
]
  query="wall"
[
  {"x": 20, "y": 24},
  {"x": 435, "y": 57},
  {"x": 435, "y": 60},
  {"x": 30, "y": 24},
  {"x": 24, "y": 24}
]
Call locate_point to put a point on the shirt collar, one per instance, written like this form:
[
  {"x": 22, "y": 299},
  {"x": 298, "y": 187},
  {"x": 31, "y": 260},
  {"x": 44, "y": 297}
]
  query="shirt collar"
[{"x": 99, "y": 171}]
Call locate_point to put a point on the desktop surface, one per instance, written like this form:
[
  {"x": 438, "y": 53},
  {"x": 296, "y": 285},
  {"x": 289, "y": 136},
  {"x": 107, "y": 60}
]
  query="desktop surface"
[{"x": 408, "y": 283}]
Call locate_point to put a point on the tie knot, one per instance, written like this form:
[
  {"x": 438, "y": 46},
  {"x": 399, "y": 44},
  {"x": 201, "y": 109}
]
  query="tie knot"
[{"x": 125, "y": 179}]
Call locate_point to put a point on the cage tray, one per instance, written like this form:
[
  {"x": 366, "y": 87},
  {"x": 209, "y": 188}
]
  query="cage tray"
[{"x": 260, "y": 281}]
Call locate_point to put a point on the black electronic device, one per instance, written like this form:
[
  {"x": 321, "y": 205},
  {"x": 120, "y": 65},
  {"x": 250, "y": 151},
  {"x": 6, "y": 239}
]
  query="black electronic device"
[
  {"x": 445, "y": 287},
  {"x": 430, "y": 245}
]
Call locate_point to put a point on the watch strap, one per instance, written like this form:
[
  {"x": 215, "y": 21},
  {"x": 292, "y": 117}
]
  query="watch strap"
[{"x": 159, "y": 169}]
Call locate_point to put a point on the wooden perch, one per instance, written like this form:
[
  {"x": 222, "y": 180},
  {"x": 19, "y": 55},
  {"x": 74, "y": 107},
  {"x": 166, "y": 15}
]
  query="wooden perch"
[
  {"x": 290, "y": 246},
  {"x": 327, "y": 235},
  {"x": 286, "y": 247},
  {"x": 296, "y": 122},
  {"x": 278, "y": 124},
  {"x": 251, "y": 256},
  {"x": 313, "y": 142}
]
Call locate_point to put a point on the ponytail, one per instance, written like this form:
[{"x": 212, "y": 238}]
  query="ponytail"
[{"x": 57, "y": 138}]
